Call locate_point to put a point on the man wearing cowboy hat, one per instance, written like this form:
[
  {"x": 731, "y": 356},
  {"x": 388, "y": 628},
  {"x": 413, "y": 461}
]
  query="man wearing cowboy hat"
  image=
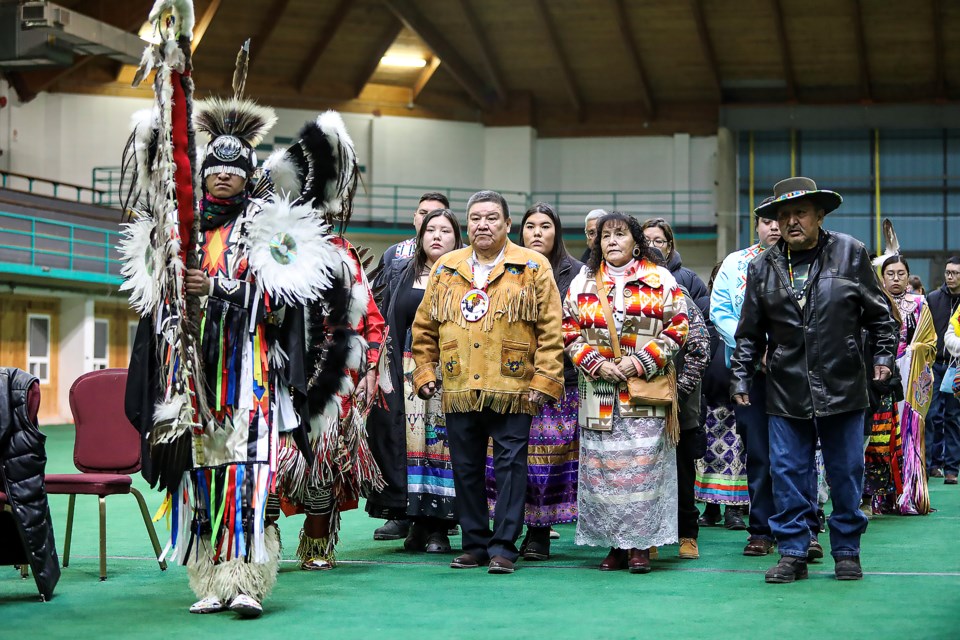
[{"x": 806, "y": 301}]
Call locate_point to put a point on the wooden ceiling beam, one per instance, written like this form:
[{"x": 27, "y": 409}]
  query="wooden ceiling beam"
[
  {"x": 432, "y": 65},
  {"x": 785, "y": 58},
  {"x": 553, "y": 40},
  {"x": 259, "y": 41},
  {"x": 201, "y": 25},
  {"x": 707, "y": 45},
  {"x": 866, "y": 93},
  {"x": 486, "y": 52},
  {"x": 938, "y": 62},
  {"x": 410, "y": 16},
  {"x": 323, "y": 41},
  {"x": 648, "y": 106},
  {"x": 387, "y": 38}
]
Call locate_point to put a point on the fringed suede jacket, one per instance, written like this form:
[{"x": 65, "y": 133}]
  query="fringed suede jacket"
[
  {"x": 653, "y": 327},
  {"x": 514, "y": 348}
]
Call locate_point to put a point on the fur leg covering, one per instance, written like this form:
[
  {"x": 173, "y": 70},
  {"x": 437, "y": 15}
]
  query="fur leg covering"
[{"x": 228, "y": 579}]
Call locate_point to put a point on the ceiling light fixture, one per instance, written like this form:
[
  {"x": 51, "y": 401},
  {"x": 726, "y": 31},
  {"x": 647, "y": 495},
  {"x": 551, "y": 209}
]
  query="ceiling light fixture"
[{"x": 393, "y": 60}]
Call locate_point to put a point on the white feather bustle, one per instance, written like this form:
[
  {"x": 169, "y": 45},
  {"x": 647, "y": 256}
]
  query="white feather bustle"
[
  {"x": 183, "y": 10},
  {"x": 357, "y": 352},
  {"x": 284, "y": 175},
  {"x": 228, "y": 579},
  {"x": 141, "y": 265},
  {"x": 359, "y": 302},
  {"x": 143, "y": 124},
  {"x": 312, "y": 262},
  {"x": 333, "y": 128}
]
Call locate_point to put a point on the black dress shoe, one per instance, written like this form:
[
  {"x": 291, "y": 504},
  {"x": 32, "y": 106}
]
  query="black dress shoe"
[
  {"x": 499, "y": 564},
  {"x": 392, "y": 530},
  {"x": 733, "y": 519},
  {"x": 536, "y": 544},
  {"x": 417, "y": 538},
  {"x": 711, "y": 516},
  {"x": 789, "y": 569},
  {"x": 438, "y": 542},
  {"x": 465, "y": 561}
]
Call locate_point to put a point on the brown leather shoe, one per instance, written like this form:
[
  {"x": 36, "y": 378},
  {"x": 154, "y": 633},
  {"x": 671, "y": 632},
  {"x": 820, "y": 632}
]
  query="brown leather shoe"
[
  {"x": 615, "y": 560},
  {"x": 689, "y": 549},
  {"x": 950, "y": 478},
  {"x": 639, "y": 561},
  {"x": 465, "y": 561},
  {"x": 499, "y": 564},
  {"x": 758, "y": 547}
]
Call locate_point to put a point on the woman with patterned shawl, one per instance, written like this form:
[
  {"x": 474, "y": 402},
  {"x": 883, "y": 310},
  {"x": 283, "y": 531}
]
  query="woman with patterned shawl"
[
  {"x": 894, "y": 477},
  {"x": 627, "y": 493}
]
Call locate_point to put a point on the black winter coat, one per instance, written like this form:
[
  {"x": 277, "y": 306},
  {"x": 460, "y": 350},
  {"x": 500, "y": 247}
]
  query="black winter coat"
[
  {"x": 942, "y": 304},
  {"x": 690, "y": 281},
  {"x": 815, "y": 366},
  {"x": 386, "y": 426},
  {"x": 24, "y": 460}
]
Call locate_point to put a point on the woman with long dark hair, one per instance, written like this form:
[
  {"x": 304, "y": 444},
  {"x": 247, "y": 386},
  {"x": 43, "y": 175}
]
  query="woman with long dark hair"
[
  {"x": 895, "y": 480},
  {"x": 409, "y": 439},
  {"x": 553, "y": 449},
  {"x": 627, "y": 496}
]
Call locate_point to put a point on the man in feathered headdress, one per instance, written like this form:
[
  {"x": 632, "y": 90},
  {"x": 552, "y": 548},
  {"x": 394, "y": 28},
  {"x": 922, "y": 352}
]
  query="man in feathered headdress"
[
  {"x": 321, "y": 169},
  {"x": 219, "y": 368}
]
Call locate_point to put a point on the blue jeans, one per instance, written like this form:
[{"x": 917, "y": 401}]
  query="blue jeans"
[
  {"x": 752, "y": 425},
  {"x": 793, "y": 445},
  {"x": 943, "y": 427}
]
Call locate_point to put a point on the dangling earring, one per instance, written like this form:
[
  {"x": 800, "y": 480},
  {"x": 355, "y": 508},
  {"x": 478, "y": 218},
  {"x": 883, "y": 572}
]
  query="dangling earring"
[{"x": 636, "y": 251}]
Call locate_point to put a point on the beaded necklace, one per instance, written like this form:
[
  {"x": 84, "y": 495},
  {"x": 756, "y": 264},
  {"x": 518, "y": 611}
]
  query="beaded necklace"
[{"x": 803, "y": 291}]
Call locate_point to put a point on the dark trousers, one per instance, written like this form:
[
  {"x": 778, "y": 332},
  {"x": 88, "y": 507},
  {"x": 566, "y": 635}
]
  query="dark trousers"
[
  {"x": 468, "y": 434},
  {"x": 687, "y": 512},
  {"x": 943, "y": 427},
  {"x": 754, "y": 429},
  {"x": 793, "y": 445}
]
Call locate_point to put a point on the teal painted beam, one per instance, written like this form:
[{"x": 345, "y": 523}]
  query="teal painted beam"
[{"x": 9, "y": 268}]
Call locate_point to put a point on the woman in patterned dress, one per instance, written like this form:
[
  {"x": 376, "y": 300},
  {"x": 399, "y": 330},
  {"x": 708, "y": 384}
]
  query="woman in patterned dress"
[{"x": 627, "y": 497}]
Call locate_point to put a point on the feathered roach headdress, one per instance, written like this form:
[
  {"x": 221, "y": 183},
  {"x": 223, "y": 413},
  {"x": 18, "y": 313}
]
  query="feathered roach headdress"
[
  {"x": 320, "y": 169},
  {"x": 235, "y": 126}
]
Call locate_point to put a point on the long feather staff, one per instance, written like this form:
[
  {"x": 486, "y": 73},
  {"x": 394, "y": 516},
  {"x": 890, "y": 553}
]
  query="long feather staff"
[{"x": 161, "y": 244}]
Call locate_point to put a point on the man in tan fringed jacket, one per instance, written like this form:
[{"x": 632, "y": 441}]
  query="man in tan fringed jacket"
[{"x": 490, "y": 320}]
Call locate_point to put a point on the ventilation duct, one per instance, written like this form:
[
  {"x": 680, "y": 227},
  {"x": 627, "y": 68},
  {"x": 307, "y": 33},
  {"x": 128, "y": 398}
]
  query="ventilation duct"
[{"x": 43, "y": 34}]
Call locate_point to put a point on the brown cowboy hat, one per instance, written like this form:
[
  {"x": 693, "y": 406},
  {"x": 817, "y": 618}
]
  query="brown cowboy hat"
[{"x": 796, "y": 189}]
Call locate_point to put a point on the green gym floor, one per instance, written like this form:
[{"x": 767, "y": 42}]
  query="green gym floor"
[{"x": 911, "y": 589}]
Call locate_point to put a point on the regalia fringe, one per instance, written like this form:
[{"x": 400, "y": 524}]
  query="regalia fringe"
[{"x": 510, "y": 303}]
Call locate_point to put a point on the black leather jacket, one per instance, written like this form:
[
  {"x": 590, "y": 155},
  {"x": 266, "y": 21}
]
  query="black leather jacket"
[
  {"x": 24, "y": 460},
  {"x": 815, "y": 366}
]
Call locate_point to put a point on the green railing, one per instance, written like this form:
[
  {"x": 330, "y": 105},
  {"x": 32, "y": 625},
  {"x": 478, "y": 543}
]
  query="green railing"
[
  {"x": 54, "y": 249},
  {"x": 392, "y": 205},
  {"x": 52, "y": 188}
]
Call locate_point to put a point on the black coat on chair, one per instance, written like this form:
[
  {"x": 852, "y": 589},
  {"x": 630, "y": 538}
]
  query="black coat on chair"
[{"x": 23, "y": 460}]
